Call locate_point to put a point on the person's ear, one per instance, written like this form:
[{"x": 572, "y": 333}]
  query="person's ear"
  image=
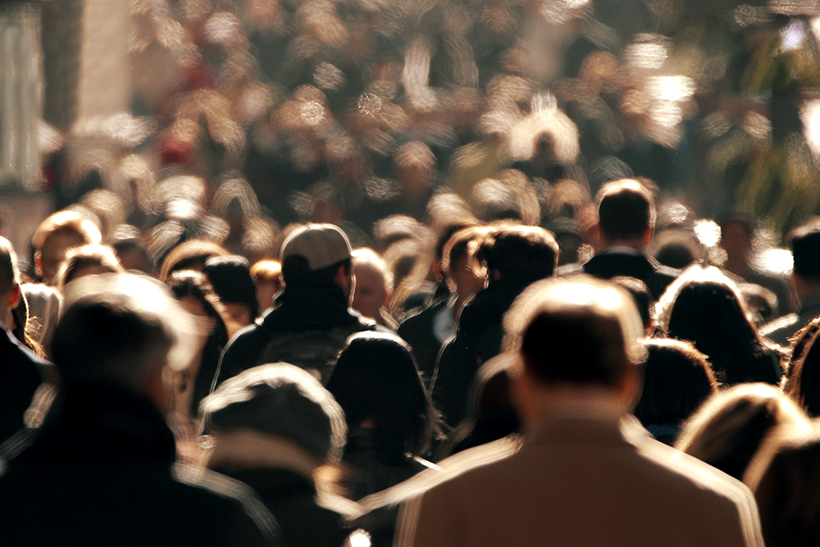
[
  {"x": 15, "y": 296},
  {"x": 630, "y": 387},
  {"x": 38, "y": 264},
  {"x": 646, "y": 238}
]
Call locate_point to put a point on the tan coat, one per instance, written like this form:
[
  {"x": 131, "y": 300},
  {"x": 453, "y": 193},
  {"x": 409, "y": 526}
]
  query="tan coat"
[{"x": 585, "y": 481}]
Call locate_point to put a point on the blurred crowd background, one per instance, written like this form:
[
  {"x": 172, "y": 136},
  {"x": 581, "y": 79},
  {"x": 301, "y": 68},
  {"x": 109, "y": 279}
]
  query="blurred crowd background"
[{"x": 232, "y": 119}]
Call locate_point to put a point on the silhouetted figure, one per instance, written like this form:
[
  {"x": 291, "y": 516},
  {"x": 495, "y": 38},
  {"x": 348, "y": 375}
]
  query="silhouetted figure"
[
  {"x": 585, "y": 473},
  {"x": 101, "y": 470}
]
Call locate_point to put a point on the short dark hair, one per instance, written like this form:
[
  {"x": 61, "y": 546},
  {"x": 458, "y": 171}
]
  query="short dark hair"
[
  {"x": 677, "y": 379},
  {"x": 104, "y": 339},
  {"x": 626, "y": 209},
  {"x": 523, "y": 252},
  {"x": 575, "y": 330},
  {"x": 805, "y": 244},
  {"x": 296, "y": 272}
]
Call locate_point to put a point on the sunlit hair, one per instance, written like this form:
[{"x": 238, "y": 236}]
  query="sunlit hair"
[
  {"x": 394, "y": 228},
  {"x": 267, "y": 270},
  {"x": 121, "y": 328},
  {"x": 66, "y": 221},
  {"x": 257, "y": 398},
  {"x": 462, "y": 243},
  {"x": 366, "y": 255},
  {"x": 575, "y": 330},
  {"x": 376, "y": 378},
  {"x": 802, "y": 381},
  {"x": 728, "y": 429},
  {"x": 101, "y": 256},
  {"x": 706, "y": 308},
  {"x": 626, "y": 209},
  {"x": 677, "y": 379},
  {"x": 190, "y": 255},
  {"x": 785, "y": 479}
]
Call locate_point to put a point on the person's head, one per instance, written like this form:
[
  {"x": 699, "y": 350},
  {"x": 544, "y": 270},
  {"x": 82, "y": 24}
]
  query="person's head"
[
  {"x": 626, "y": 212},
  {"x": 643, "y": 299},
  {"x": 268, "y": 276},
  {"x": 130, "y": 249},
  {"x": 805, "y": 245},
  {"x": 456, "y": 263},
  {"x": 233, "y": 283},
  {"x": 677, "y": 379},
  {"x": 677, "y": 248},
  {"x": 415, "y": 169},
  {"x": 736, "y": 235},
  {"x": 278, "y": 401},
  {"x": 123, "y": 330},
  {"x": 86, "y": 260},
  {"x": 729, "y": 428},
  {"x": 214, "y": 328},
  {"x": 706, "y": 308},
  {"x": 510, "y": 196},
  {"x": 785, "y": 479},
  {"x": 55, "y": 236},
  {"x": 803, "y": 373},
  {"x": 376, "y": 381},
  {"x": 578, "y": 333},
  {"x": 374, "y": 283},
  {"x": 190, "y": 255},
  {"x": 524, "y": 253},
  {"x": 10, "y": 294},
  {"x": 317, "y": 255}
]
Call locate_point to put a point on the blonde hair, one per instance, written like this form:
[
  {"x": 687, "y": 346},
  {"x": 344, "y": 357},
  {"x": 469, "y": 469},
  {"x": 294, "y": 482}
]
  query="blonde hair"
[{"x": 730, "y": 426}]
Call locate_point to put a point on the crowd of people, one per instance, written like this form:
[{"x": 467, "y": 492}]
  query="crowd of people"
[{"x": 473, "y": 378}]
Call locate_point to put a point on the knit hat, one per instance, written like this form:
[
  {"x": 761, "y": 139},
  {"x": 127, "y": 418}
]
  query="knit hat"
[
  {"x": 280, "y": 400},
  {"x": 232, "y": 280},
  {"x": 322, "y": 245}
]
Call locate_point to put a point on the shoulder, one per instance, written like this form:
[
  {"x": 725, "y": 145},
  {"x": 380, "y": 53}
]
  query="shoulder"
[
  {"x": 229, "y": 500},
  {"x": 781, "y": 328}
]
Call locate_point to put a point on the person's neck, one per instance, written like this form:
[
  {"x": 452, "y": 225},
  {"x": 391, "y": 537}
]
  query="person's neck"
[{"x": 547, "y": 403}]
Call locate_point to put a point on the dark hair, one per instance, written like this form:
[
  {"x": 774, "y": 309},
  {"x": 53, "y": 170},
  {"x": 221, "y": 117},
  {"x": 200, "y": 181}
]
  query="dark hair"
[
  {"x": 639, "y": 292},
  {"x": 805, "y": 244},
  {"x": 190, "y": 255},
  {"x": 626, "y": 209},
  {"x": 803, "y": 376},
  {"x": 376, "y": 377},
  {"x": 296, "y": 272},
  {"x": 104, "y": 339},
  {"x": 231, "y": 279},
  {"x": 705, "y": 308},
  {"x": 528, "y": 253},
  {"x": 677, "y": 379},
  {"x": 785, "y": 479},
  {"x": 192, "y": 283},
  {"x": 576, "y": 330},
  {"x": 575, "y": 347}
]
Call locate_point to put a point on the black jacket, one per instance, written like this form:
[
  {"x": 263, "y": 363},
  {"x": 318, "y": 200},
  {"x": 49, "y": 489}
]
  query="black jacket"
[
  {"x": 101, "y": 471},
  {"x": 21, "y": 373},
  {"x": 478, "y": 338},
  {"x": 613, "y": 264},
  {"x": 308, "y": 316},
  {"x": 291, "y": 498}
]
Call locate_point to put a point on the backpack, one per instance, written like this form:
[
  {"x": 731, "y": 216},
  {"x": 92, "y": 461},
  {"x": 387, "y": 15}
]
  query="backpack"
[{"x": 312, "y": 350}]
